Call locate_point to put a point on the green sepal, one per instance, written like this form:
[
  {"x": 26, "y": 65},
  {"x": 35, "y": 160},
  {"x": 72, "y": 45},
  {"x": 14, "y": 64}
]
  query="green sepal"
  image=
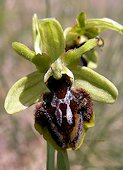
[
  {"x": 25, "y": 92},
  {"x": 72, "y": 57},
  {"x": 104, "y": 24},
  {"x": 52, "y": 37},
  {"x": 38, "y": 47},
  {"x": 99, "y": 88}
]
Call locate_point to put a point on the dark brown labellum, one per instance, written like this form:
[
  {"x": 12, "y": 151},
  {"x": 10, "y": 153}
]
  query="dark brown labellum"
[{"x": 64, "y": 111}]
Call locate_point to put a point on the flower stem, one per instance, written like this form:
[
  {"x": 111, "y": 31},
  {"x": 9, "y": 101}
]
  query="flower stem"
[
  {"x": 62, "y": 160},
  {"x": 50, "y": 157}
]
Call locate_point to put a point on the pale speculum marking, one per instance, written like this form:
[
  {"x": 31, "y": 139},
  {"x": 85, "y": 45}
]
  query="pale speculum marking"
[{"x": 56, "y": 102}]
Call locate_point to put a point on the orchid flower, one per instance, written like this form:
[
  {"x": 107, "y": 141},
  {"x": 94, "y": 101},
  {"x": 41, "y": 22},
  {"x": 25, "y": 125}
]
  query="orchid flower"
[{"x": 64, "y": 84}]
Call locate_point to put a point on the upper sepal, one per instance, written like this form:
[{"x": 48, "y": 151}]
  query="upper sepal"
[{"x": 52, "y": 37}]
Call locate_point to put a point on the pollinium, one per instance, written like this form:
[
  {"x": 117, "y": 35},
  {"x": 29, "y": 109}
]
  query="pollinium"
[{"x": 64, "y": 111}]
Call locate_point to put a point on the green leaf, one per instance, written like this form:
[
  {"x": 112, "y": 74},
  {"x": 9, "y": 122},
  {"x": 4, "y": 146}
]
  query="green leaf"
[
  {"x": 36, "y": 35},
  {"x": 25, "y": 92},
  {"x": 72, "y": 57},
  {"x": 52, "y": 37},
  {"x": 62, "y": 161},
  {"x": 100, "y": 88},
  {"x": 104, "y": 24}
]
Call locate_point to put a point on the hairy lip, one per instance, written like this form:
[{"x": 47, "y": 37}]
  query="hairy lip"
[{"x": 64, "y": 117}]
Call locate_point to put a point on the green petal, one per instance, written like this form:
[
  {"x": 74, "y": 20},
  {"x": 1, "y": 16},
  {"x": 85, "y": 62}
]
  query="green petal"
[
  {"x": 24, "y": 92},
  {"x": 23, "y": 51},
  {"x": 52, "y": 37},
  {"x": 72, "y": 57},
  {"x": 41, "y": 61},
  {"x": 100, "y": 88},
  {"x": 104, "y": 24}
]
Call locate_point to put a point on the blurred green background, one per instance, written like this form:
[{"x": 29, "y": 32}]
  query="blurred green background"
[{"x": 21, "y": 148}]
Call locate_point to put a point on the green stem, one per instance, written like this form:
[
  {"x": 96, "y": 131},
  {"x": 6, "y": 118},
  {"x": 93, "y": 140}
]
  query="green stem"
[
  {"x": 62, "y": 161},
  {"x": 50, "y": 157}
]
